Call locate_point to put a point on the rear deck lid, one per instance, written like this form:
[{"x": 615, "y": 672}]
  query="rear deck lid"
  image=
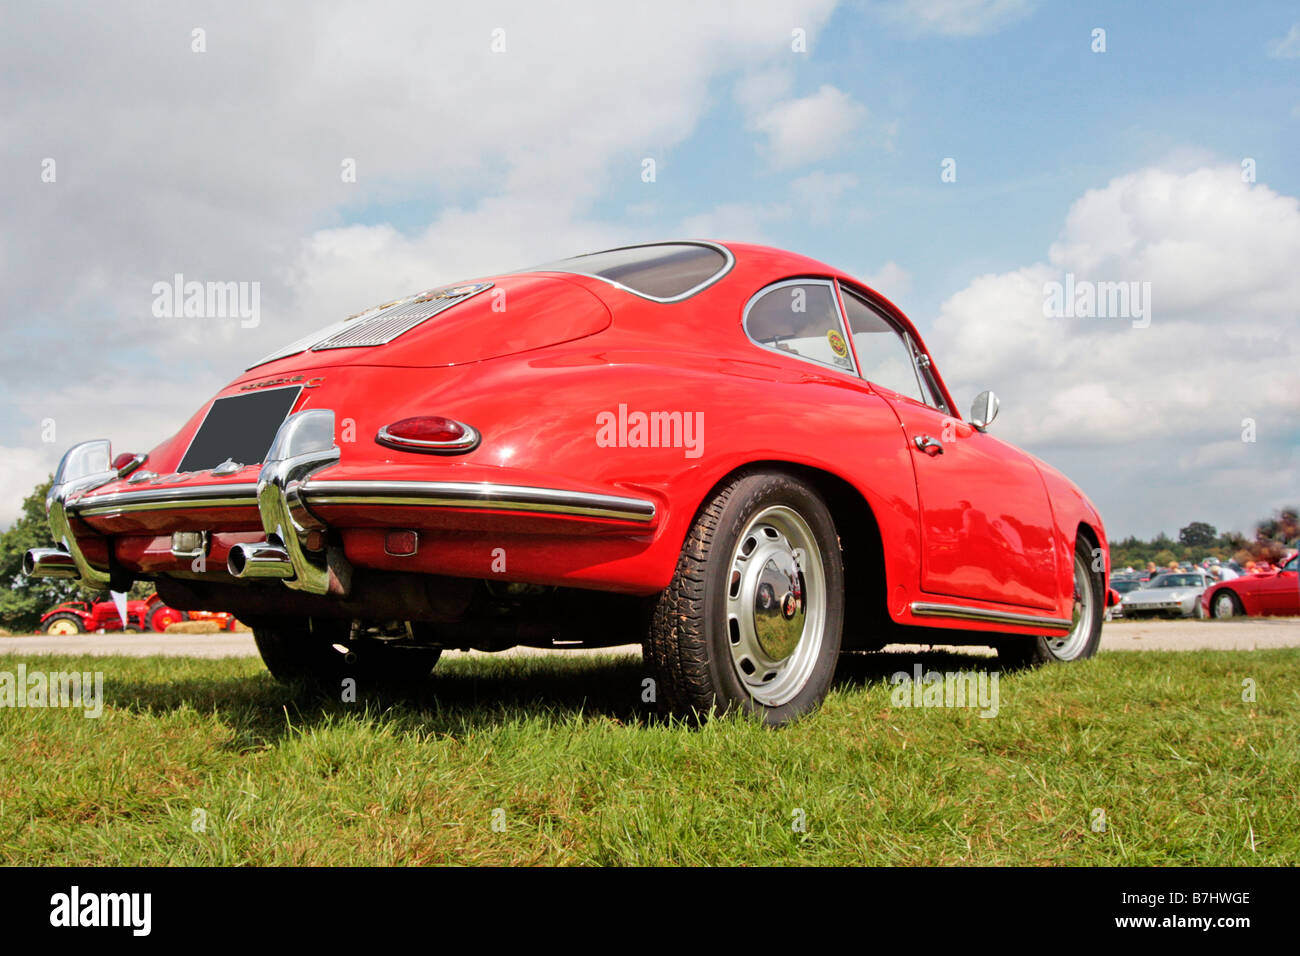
[{"x": 451, "y": 325}]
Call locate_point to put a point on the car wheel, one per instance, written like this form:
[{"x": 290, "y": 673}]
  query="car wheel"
[
  {"x": 63, "y": 624},
  {"x": 1082, "y": 640},
  {"x": 1226, "y": 604},
  {"x": 752, "y": 619},
  {"x": 161, "y": 618},
  {"x": 321, "y": 655}
]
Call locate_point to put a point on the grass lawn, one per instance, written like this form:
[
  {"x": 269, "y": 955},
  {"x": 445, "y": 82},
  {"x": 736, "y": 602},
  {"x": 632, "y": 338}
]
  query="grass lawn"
[{"x": 560, "y": 755}]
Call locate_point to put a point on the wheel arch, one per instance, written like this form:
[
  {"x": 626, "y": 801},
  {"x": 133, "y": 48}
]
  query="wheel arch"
[
  {"x": 1088, "y": 533},
  {"x": 866, "y": 612}
]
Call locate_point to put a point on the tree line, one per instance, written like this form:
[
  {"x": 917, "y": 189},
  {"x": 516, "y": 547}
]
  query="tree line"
[{"x": 1273, "y": 538}]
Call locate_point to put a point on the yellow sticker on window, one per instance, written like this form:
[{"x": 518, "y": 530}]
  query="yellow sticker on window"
[{"x": 838, "y": 345}]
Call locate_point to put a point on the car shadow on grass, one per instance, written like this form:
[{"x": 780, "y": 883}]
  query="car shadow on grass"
[
  {"x": 456, "y": 700},
  {"x": 464, "y": 696},
  {"x": 857, "y": 668}
]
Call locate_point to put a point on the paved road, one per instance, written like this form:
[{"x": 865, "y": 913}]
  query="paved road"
[{"x": 1244, "y": 634}]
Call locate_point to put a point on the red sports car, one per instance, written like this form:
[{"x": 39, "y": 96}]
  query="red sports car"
[
  {"x": 1273, "y": 592},
  {"x": 741, "y": 457}
]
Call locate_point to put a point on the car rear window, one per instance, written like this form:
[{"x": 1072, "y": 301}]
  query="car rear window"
[{"x": 664, "y": 271}]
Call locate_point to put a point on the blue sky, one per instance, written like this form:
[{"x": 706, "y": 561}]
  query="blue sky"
[
  {"x": 1033, "y": 117},
  {"x": 223, "y": 164}
]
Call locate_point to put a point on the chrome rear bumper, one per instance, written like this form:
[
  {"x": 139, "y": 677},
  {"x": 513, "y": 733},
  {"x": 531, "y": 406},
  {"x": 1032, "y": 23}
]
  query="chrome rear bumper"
[
  {"x": 83, "y": 468},
  {"x": 294, "y": 549}
]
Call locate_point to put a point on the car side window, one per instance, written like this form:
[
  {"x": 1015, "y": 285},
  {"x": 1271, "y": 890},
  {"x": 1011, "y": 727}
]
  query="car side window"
[
  {"x": 884, "y": 354},
  {"x": 800, "y": 318}
]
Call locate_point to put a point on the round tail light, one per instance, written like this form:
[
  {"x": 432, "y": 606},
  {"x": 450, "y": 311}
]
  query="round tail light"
[
  {"x": 429, "y": 433},
  {"x": 127, "y": 462}
]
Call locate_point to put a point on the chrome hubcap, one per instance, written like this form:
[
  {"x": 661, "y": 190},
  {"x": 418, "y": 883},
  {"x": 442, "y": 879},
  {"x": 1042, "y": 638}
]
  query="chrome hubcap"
[
  {"x": 1083, "y": 615},
  {"x": 776, "y": 605},
  {"x": 1223, "y": 606}
]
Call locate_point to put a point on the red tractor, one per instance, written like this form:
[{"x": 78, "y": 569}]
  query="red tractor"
[{"x": 151, "y": 614}]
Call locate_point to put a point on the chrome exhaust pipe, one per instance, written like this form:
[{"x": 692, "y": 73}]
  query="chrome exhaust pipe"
[
  {"x": 49, "y": 563},
  {"x": 264, "y": 559}
]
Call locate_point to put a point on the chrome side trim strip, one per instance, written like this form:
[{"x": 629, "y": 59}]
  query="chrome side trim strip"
[
  {"x": 486, "y": 495},
  {"x": 926, "y": 609},
  {"x": 446, "y": 494},
  {"x": 238, "y": 495}
]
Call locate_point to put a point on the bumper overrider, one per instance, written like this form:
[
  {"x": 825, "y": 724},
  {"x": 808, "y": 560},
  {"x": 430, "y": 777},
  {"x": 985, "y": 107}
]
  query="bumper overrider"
[{"x": 295, "y": 548}]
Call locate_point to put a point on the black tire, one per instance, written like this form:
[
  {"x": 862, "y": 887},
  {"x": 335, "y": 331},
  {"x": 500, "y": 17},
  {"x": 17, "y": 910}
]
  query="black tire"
[
  {"x": 63, "y": 616},
  {"x": 1216, "y": 600},
  {"x": 692, "y": 646},
  {"x": 304, "y": 652},
  {"x": 1017, "y": 652}
]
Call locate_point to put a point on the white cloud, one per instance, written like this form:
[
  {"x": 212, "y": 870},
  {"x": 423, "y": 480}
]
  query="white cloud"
[
  {"x": 957, "y": 17},
  {"x": 757, "y": 90},
  {"x": 740, "y": 221},
  {"x": 802, "y": 131},
  {"x": 1287, "y": 47},
  {"x": 225, "y": 165},
  {"x": 891, "y": 280},
  {"x": 23, "y": 468},
  {"x": 1137, "y": 405},
  {"x": 820, "y": 196}
]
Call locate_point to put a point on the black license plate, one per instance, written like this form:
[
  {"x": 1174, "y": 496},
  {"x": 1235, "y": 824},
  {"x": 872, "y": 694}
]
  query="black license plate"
[{"x": 239, "y": 427}]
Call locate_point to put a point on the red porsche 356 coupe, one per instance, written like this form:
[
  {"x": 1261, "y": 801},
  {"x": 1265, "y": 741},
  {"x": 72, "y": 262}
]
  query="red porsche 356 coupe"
[{"x": 740, "y": 457}]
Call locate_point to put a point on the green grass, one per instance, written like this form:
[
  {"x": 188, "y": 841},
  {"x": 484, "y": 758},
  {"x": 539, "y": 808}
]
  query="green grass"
[{"x": 1185, "y": 771}]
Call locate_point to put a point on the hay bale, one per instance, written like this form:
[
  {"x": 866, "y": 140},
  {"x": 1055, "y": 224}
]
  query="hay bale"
[{"x": 194, "y": 627}]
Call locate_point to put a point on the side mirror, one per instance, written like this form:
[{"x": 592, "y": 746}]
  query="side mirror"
[{"x": 983, "y": 410}]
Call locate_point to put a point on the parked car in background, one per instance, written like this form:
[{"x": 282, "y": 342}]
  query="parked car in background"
[
  {"x": 1275, "y": 592},
  {"x": 1172, "y": 594},
  {"x": 741, "y": 457},
  {"x": 1122, "y": 584}
]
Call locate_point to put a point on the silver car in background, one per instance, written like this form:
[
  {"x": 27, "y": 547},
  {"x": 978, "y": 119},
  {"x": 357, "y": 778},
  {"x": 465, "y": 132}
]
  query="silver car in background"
[{"x": 1171, "y": 594}]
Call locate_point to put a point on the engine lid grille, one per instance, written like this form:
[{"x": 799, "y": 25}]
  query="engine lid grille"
[{"x": 382, "y": 324}]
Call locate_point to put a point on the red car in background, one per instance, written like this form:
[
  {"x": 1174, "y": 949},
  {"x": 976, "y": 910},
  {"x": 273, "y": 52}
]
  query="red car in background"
[
  {"x": 1274, "y": 592},
  {"x": 151, "y": 614},
  {"x": 740, "y": 457}
]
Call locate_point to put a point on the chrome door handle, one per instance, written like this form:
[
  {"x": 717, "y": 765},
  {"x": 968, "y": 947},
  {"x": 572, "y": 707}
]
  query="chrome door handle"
[{"x": 931, "y": 446}]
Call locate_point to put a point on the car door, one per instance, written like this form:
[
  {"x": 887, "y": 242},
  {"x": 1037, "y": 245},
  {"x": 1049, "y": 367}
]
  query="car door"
[
  {"x": 987, "y": 531},
  {"x": 1280, "y": 594}
]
